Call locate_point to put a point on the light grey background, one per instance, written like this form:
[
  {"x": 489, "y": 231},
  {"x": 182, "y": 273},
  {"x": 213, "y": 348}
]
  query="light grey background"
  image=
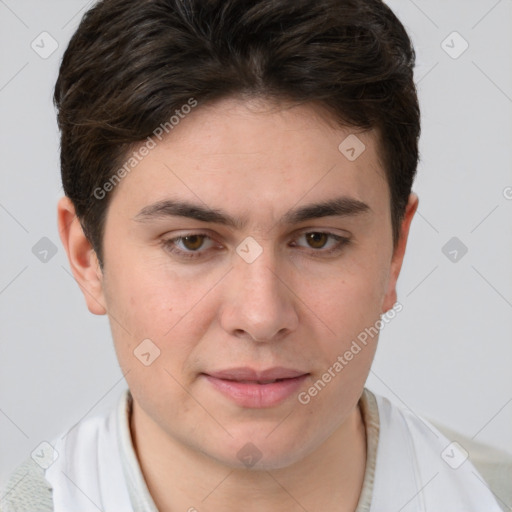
[{"x": 447, "y": 355}]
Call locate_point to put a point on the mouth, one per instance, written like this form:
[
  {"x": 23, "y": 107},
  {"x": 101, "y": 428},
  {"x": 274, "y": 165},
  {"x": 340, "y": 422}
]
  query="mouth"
[
  {"x": 257, "y": 381},
  {"x": 251, "y": 388}
]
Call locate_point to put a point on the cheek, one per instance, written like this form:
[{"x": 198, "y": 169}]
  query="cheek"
[
  {"x": 140, "y": 308},
  {"x": 153, "y": 298},
  {"x": 351, "y": 296},
  {"x": 349, "y": 305}
]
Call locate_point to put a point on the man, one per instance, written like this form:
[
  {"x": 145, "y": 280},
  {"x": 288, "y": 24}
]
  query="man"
[{"x": 238, "y": 200}]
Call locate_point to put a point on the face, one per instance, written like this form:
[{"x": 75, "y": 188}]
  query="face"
[{"x": 250, "y": 253}]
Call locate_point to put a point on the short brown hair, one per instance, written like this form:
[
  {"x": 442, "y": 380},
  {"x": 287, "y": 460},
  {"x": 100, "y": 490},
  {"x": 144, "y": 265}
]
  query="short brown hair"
[{"x": 132, "y": 63}]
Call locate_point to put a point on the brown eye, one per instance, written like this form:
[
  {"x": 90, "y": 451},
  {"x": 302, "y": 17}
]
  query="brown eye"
[
  {"x": 322, "y": 243},
  {"x": 193, "y": 242},
  {"x": 190, "y": 246},
  {"x": 317, "y": 240}
]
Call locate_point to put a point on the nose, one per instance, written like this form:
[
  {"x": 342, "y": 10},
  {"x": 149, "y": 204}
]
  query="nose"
[{"x": 258, "y": 304}]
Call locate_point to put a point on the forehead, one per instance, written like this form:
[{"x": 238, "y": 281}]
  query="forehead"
[{"x": 257, "y": 156}]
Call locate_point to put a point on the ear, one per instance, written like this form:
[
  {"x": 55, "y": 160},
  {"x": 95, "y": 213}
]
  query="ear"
[
  {"x": 82, "y": 257},
  {"x": 398, "y": 253}
]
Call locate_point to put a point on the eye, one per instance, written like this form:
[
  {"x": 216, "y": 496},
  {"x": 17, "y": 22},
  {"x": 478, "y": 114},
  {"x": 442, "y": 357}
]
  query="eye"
[
  {"x": 323, "y": 242},
  {"x": 192, "y": 242},
  {"x": 189, "y": 245},
  {"x": 317, "y": 240}
]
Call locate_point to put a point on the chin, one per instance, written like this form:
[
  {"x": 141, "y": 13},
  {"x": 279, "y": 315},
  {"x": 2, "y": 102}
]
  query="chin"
[{"x": 260, "y": 453}]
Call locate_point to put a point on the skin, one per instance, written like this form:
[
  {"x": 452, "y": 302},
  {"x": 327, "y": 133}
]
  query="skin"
[{"x": 294, "y": 306}]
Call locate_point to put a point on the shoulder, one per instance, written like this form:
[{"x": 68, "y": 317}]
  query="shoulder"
[
  {"x": 81, "y": 454},
  {"x": 437, "y": 471},
  {"x": 27, "y": 490},
  {"x": 494, "y": 465}
]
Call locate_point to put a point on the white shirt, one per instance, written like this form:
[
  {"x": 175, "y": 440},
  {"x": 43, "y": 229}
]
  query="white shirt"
[{"x": 410, "y": 466}]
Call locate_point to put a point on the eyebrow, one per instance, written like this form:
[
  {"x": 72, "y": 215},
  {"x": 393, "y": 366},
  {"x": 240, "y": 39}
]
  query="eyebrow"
[{"x": 340, "y": 207}]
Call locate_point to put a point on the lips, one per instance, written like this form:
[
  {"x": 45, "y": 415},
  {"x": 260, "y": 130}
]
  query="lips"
[
  {"x": 252, "y": 388},
  {"x": 250, "y": 375}
]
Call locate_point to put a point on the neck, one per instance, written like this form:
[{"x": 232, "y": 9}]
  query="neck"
[{"x": 180, "y": 478}]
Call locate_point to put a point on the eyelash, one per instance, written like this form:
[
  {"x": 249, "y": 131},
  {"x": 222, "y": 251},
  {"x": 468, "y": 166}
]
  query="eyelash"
[{"x": 170, "y": 245}]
